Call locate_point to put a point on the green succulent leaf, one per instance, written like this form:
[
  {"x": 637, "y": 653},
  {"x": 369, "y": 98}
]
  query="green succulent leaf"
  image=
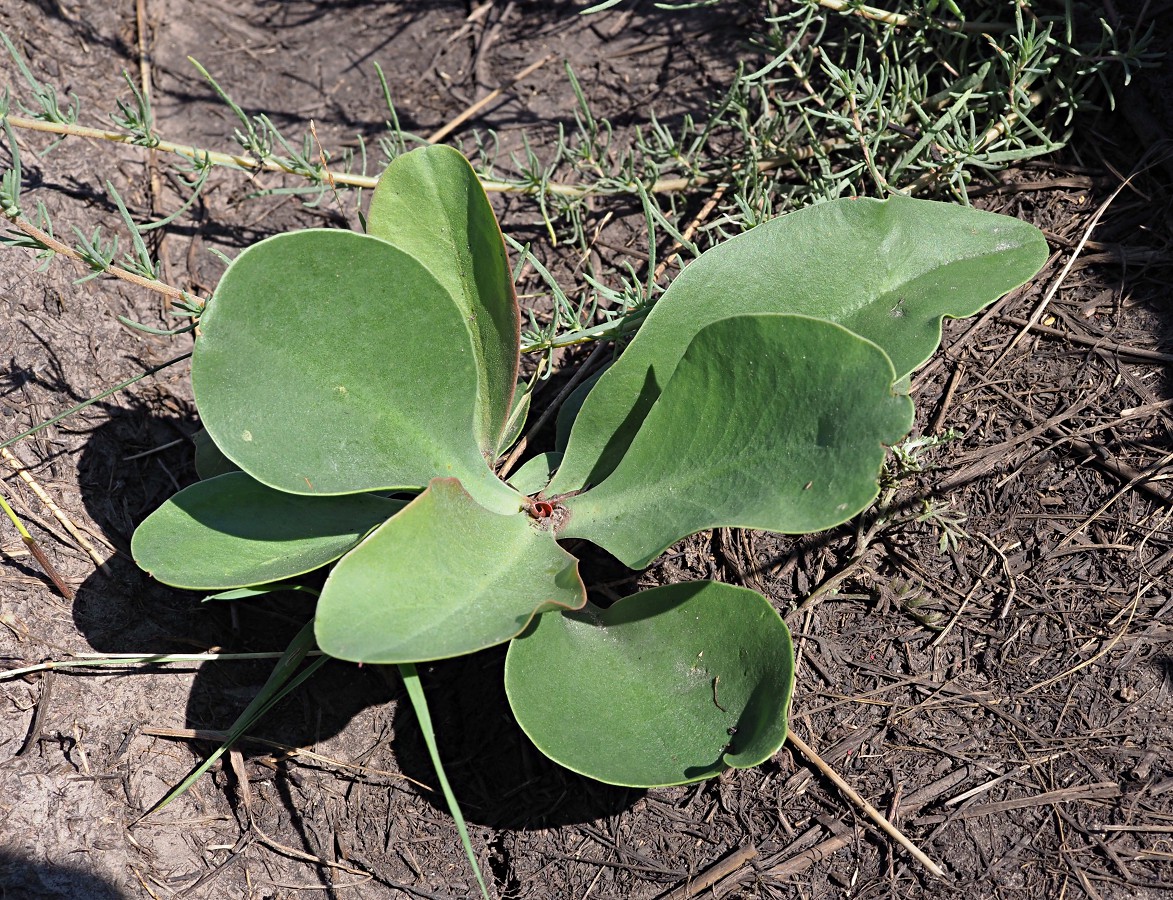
[
  {"x": 334, "y": 363},
  {"x": 888, "y": 270},
  {"x": 668, "y": 686},
  {"x": 430, "y": 204},
  {"x": 232, "y": 531},
  {"x": 568, "y": 411},
  {"x": 443, "y": 578},
  {"x": 516, "y": 423},
  {"x": 535, "y": 473},
  {"x": 769, "y": 421},
  {"x": 260, "y": 590}
]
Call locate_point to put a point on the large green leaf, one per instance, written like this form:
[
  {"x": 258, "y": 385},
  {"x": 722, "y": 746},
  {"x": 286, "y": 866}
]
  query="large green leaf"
[
  {"x": 668, "y": 686},
  {"x": 888, "y": 270},
  {"x": 430, "y": 204},
  {"x": 443, "y": 578},
  {"x": 770, "y": 421},
  {"x": 232, "y": 531},
  {"x": 333, "y": 363}
]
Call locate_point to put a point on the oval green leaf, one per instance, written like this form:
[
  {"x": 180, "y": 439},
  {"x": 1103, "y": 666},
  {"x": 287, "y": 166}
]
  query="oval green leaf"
[
  {"x": 443, "y": 578},
  {"x": 430, "y": 203},
  {"x": 888, "y": 270},
  {"x": 770, "y": 421},
  {"x": 232, "y": 531},
  {"x": 668, "y": 686},
  {"x": 330, "y": 362}
]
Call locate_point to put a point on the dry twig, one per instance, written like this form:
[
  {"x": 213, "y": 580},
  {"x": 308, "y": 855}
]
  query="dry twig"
[{"x": 870, "y": 811}]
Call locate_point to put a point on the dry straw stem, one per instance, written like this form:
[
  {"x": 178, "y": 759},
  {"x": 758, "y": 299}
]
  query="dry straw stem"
[
  {"x": 248, "y": 163},
  {"x": 1096, "y": 343},
  {"x": 26, "y": 476},
  {"x": 237, "y": 161},
  {"x": 57, "y": 246},
  {"x": 1103, "y": 650},
  {"x": 1152, "y": 472},
  {"x": 870, "y": 811},
  {"x": 1033, "y": 319},
  {"x": 964, "y": 603},
  {"x": 470, "y": 111},
  {"x": 96, "y": 660}
]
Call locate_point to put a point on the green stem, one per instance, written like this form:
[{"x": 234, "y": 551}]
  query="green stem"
[
  {"x": 281, "y": 682},
  {"x": 15, "y": 521},
  {"x": 613, "y": 329}
]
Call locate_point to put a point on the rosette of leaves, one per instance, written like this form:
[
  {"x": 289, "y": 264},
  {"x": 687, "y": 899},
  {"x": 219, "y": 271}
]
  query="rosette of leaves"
[{"x": 359, "y": 390}]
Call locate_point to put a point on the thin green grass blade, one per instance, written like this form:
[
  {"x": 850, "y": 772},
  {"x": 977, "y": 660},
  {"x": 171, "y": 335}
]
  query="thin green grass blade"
[
  {"x": 415, "y": 692},
  {"x": 102, "y": 396},
  {"x": 283, "y": 679}
]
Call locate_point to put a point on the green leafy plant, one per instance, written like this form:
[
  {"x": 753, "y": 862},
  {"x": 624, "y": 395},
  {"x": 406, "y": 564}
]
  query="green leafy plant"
[{"x": 361, "y": 390}]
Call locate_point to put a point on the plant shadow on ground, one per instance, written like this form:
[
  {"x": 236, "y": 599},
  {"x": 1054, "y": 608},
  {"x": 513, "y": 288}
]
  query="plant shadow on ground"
[
  {"x": 128, "y": 612},
  {"x": 500, "y": 778},
  {"x": 20, "y": 877}
]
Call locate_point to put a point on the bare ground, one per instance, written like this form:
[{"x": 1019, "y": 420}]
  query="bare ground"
[{"x": 1005, "y": 700}]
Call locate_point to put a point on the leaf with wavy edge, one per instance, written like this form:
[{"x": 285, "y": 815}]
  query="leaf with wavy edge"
[
  {"x": 443, "y": 578},
  {"x": 888, "y": 270},
  {"x": 770, "y": 421},
  {"x": 668, "y": 686}
]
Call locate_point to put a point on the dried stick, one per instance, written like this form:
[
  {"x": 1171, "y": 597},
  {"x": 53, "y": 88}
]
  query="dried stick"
[
  {"x": 1037, "y": 312},
  {"x": 440, "y": 133},
  {"x": 46, "y": 239},
  {"x": 713, "y": 874},
  {"x": 1095, "y": 343},
  {"x": 26, "y": 476},
  {"x": 870, "y": 811},
  {"x": 691, "y": 230}
]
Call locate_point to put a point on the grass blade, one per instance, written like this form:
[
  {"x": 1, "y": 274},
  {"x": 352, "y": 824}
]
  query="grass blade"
[
  {"x": 415, "y": 693},
  {"x": 283, "y": 679}
]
